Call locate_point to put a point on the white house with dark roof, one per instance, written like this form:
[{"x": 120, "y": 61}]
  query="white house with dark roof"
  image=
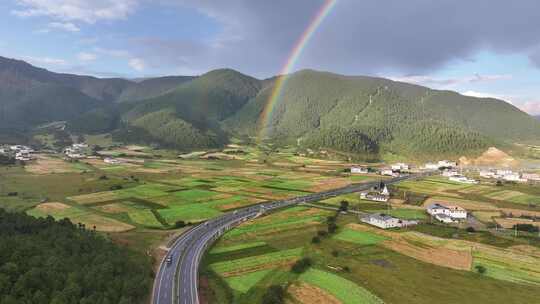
[
  {"x": 386, "y": 221},
  {"x": 443, "y": 212}
]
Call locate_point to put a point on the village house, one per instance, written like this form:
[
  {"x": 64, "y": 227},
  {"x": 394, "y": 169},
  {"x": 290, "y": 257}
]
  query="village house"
[
  {"x": 402, "y": 167},
  {"x": 385, "y": 221},
  {"x": 514, "y": 177},
  {"x": 488, "y": 174},
  {"x": 377, "y": 194},
  {"x": 445, "y": 213},
  {"x": 462, "y": 179},
  {"x": 431, "y": 166},
  {"x": 447, "y": 164},
  {"x": 389, "y": 172},
  {"x": 531, "y": 176},
  {"x": 450, "y": 173},
  {"x": 76, "y": 151},
  {"x": 110, "y": 160},
  {"x": 359, "y": 170}
]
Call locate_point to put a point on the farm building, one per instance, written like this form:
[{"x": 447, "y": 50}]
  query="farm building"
[
  {"x": 359, "y": 170},
  {"x": 444, "y": 218},
  {"x": 449, "y": 173},
  {"x": 462, "y": 179},
  {"x": 454, "y": 212},
  {"x": 385, "y": 221}
]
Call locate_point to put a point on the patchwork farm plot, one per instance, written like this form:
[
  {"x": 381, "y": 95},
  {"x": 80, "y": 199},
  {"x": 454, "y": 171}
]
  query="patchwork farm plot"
[{"x": 150, "y": 191}]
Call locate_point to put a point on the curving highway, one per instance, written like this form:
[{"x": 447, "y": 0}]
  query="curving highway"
[{"x": 176, "y": 282}]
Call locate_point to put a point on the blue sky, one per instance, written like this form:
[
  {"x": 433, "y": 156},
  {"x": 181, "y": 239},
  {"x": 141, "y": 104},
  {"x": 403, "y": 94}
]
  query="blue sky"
[{"x": 476, "y": 51}]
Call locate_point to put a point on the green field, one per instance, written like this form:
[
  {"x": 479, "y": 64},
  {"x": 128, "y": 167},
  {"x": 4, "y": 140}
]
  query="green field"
[
  {"x": 190, "y": 212},
  {"x": 344, "y": 290},
  {"x": 359, "y": 237},
  {"x": 512, "y": 270},
  {"x": 269, "y": 260},
  {"x": 194, "y": 195},
  {"x": 243, "y": 283},
  {"x": 279, "y": 224},
  {"x": 224, "y": 249},
  {"x": 145, "y": 218}
]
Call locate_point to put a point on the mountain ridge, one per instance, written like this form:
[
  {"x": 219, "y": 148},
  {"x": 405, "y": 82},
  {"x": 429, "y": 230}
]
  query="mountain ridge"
[{"x": 353, "y": 114}]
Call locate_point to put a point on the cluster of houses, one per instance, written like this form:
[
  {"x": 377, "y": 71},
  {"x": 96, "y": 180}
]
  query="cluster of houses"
[
  {"x": 77, "y": 151},
  {"x": 509, "y": 175},
  {"x": 20, "y": 152},
  {"x": 447, "y": 214}
]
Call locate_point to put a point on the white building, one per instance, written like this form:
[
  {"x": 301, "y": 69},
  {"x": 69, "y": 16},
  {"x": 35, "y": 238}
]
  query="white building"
[
  {"x": 110, "y": 160},
  {"x": 385, "y": 221},
  {"x": 514, "y": 177},
  {"x": 454, "y": 212},
  {"x": 377, "y": 197},
  {"x": 359, "y": 170},
  {"x": 400, "y": 167},
  {"x": 23, "y": 156},
  {"x": 444, "y": 218},
  {"x": 449, "y": 173},
  {"x": 431, "y": 166},
  {"x": 503, "y": 172},
  {"x": 387, "y": 172},
  {"x": 447, "y": 164},
  {"x": 531, "y": 176},
  {"x": 488, "y": 174},
  {"x": 462, "y": 179}
]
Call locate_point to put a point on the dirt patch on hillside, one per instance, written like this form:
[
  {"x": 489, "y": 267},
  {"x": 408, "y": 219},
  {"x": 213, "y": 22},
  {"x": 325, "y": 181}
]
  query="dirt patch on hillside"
[
  {"x": 52, "y": 207},
  {"x": 420, "y": 247},
  {"x": 309, "y": 294},
  {"x": 47, "y": 165},
  {"x": 492, "y": 157},
  {"x": 461, "y": 260}
]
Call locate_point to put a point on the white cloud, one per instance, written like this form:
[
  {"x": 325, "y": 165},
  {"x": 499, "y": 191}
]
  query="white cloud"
[
  {"x": 64, "y": 26},
  {"x": 76, "y": 10},
  {"x": 137, "y": 64},
  {"x": 84, "y": 56}
]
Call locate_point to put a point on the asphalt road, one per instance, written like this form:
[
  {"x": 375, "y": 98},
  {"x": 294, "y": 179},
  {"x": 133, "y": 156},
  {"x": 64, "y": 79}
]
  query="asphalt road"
[{"x": 177, "y": 282}]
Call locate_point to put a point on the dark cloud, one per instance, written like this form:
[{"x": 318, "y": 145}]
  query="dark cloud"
[{"x": 358, "y": 37}]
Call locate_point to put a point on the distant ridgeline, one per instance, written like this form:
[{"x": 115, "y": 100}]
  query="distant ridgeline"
[
  {"x": 43, "y": 261},
  {"x": 356, "y": 115}
]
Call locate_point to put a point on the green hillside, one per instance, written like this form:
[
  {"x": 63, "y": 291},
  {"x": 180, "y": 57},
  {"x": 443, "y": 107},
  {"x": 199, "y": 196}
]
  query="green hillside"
[
  {"x": 151, "y": 88},
  {"x": 43, "y": 103},
  {"x": 189, "y": 115},
  {"x": 366, "y": 114}
]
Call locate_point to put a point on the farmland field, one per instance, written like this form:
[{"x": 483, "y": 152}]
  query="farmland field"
[
  {"x": 346, "y": 291},
  {"x": 60, "y": 211},
  {"x": 250, "y": 264},
  {"x": 359, "y": 237}
]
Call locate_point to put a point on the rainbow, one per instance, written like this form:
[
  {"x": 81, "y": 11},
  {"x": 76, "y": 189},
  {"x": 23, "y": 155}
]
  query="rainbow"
[{"x": 300, "y": 45}]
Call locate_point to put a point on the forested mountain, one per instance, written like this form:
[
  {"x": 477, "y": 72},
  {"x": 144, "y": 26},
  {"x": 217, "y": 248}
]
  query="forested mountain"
[
  {"x": 366, "y": 114},
  {"x": 30, "y": 96},
  {"x": 152, "y": 87},
  {"x": 43, "y": 261},
  {"x": 537, "y": 117},
  {"x": 355, "y": 114},
  {"x": 190, "y": 115}
]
